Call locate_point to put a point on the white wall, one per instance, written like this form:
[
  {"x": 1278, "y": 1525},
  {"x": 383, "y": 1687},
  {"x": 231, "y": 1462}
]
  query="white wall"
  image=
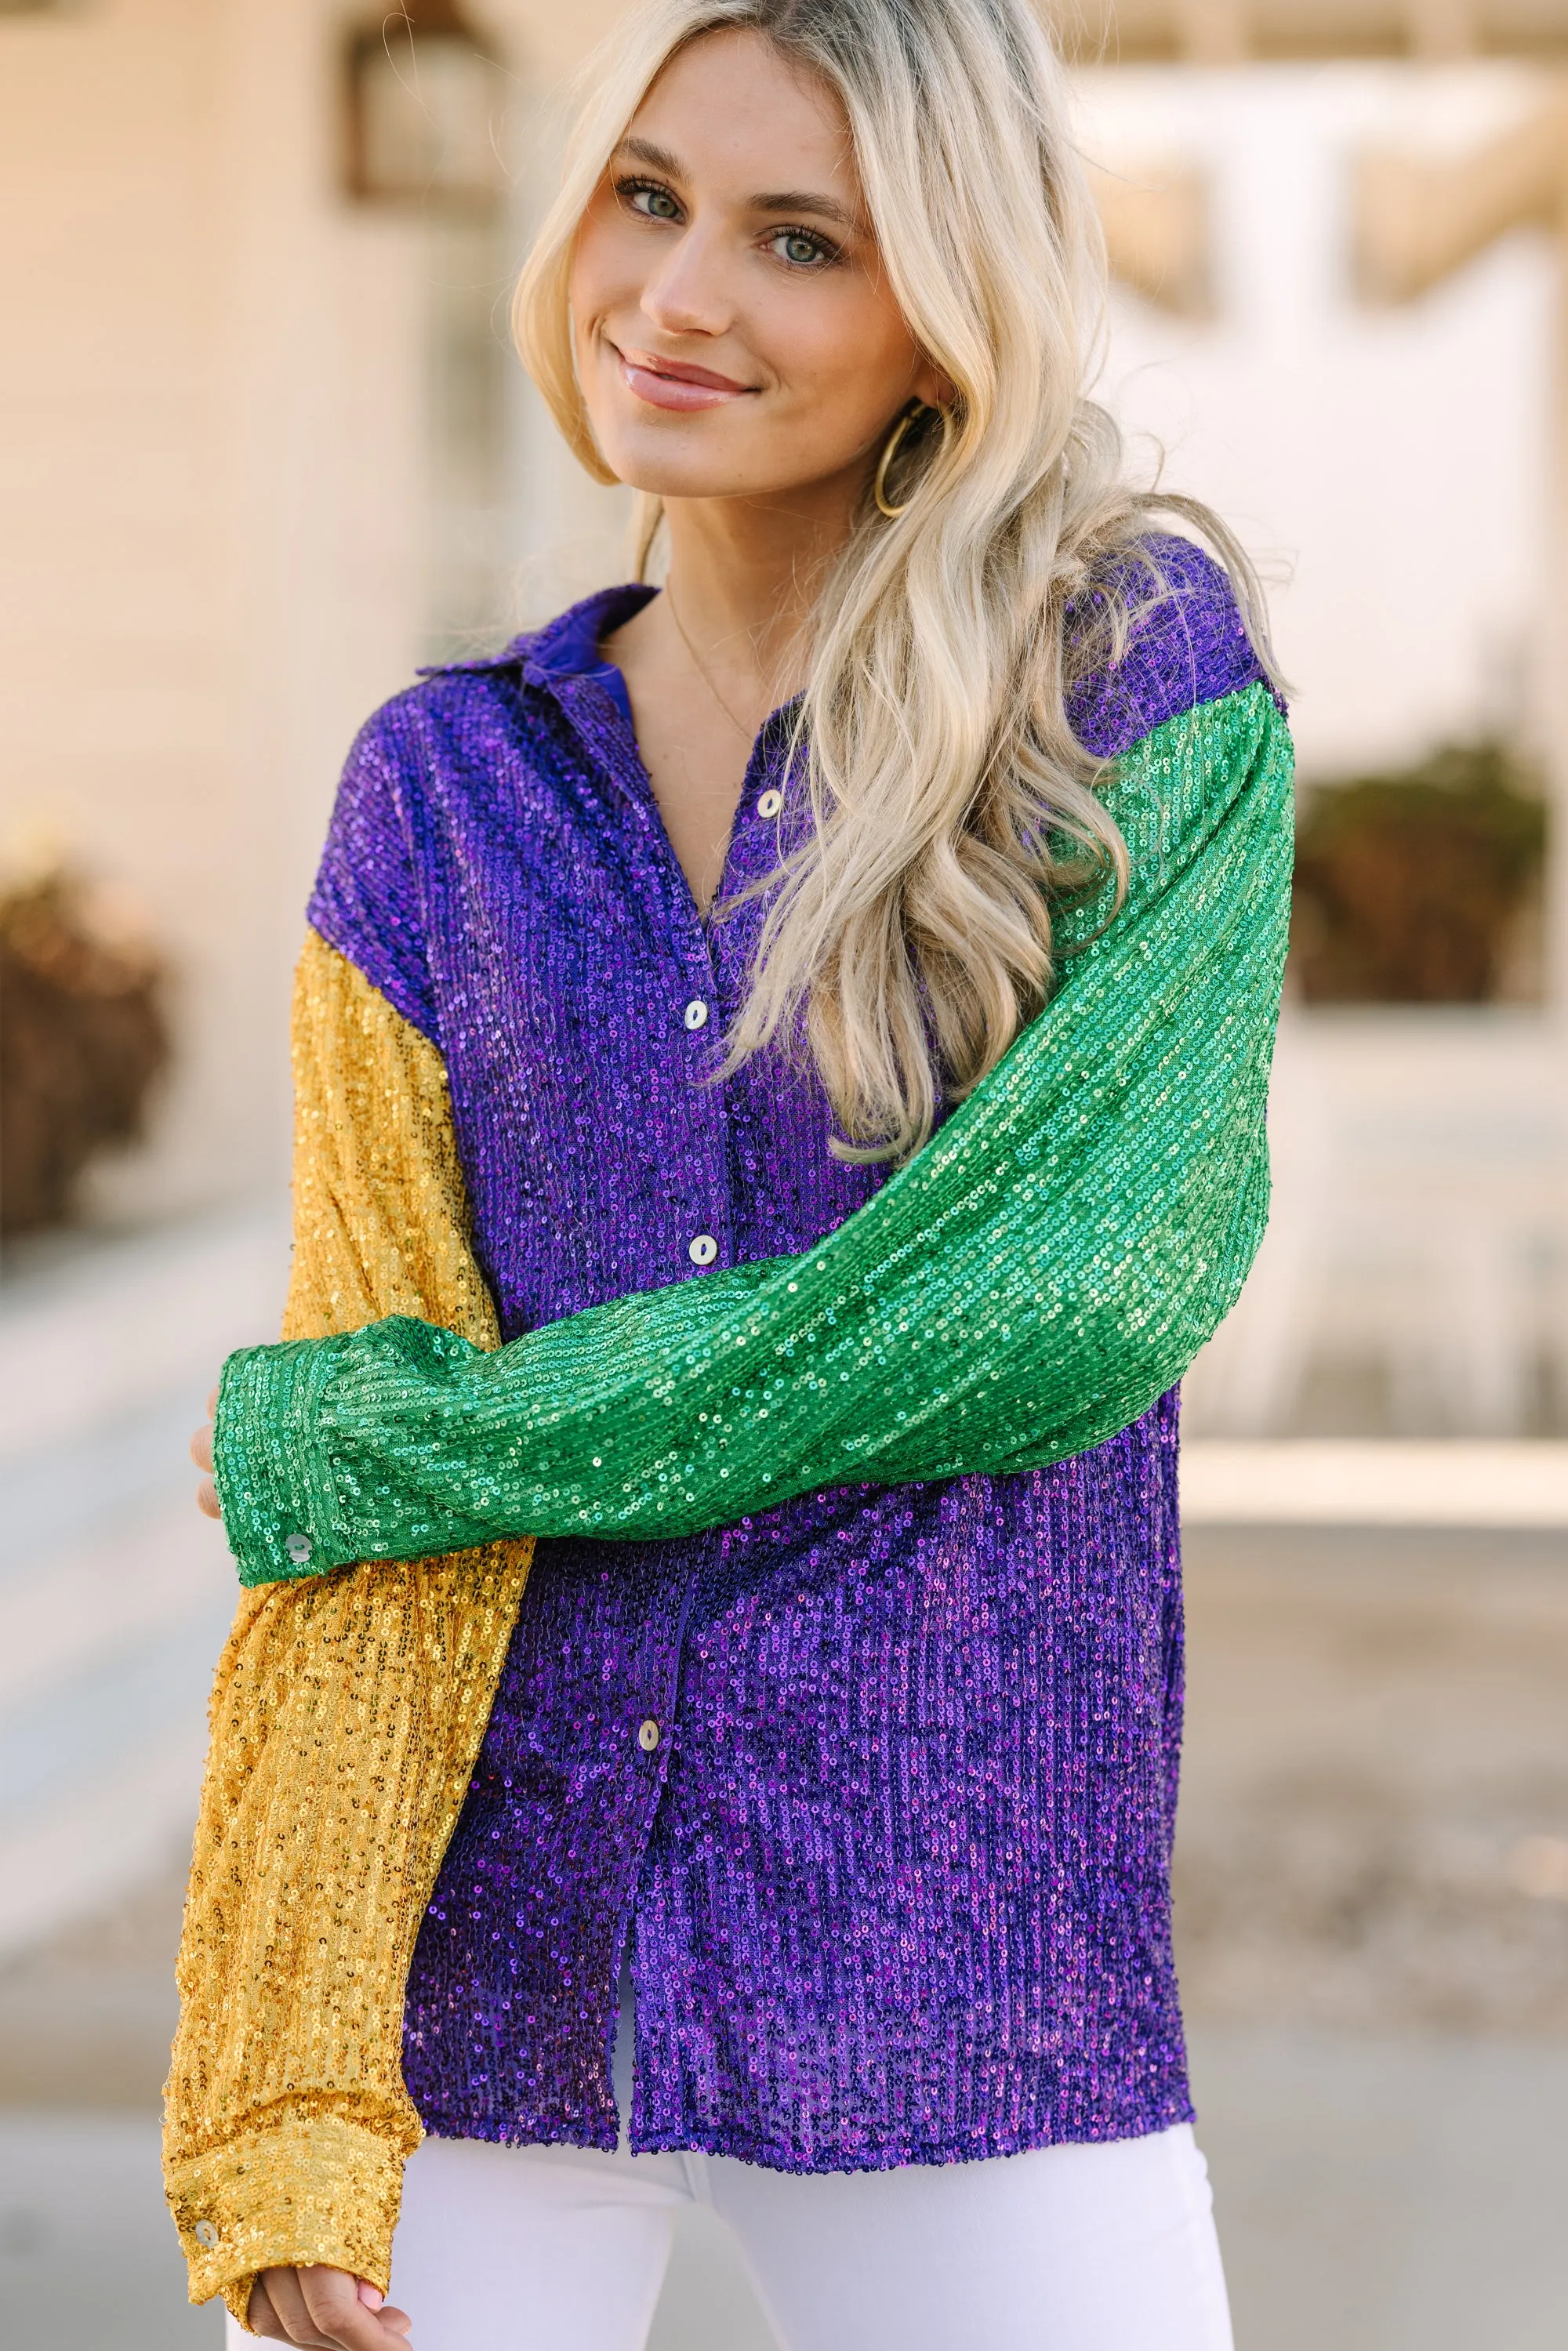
[{"x": 1388, "y": 467}]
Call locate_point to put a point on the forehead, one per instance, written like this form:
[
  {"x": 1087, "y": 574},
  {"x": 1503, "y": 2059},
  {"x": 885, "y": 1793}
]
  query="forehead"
[{"x": 734, "y": 109}]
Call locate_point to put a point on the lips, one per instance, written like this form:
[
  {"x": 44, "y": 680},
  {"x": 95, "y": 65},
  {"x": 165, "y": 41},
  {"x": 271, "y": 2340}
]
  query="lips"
[{"x": 674, "y": 384}]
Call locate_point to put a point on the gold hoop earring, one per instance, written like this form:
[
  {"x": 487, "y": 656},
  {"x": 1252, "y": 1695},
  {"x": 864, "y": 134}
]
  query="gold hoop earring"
[{"x": 890, "y": 450}]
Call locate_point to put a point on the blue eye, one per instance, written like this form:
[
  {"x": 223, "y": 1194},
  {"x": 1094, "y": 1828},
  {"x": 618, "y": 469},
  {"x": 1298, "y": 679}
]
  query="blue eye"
[
  {"x": 645, "y": 196},
  {"x": 801, "y": 248}
]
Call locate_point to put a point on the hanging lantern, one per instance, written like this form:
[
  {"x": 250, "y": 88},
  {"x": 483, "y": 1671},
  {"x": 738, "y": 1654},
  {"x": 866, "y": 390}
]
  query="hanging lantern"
[{"x": 424, "y": 111}]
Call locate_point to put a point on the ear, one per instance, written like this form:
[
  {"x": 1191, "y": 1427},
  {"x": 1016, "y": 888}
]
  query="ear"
[{"x": 936, "y": 389}]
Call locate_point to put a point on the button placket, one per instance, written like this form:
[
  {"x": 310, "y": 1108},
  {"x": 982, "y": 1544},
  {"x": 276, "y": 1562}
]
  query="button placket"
[{"x": 702, "y": 1249}]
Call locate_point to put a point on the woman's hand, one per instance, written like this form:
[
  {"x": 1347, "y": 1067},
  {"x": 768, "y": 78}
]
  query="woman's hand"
[
  {"x": 325, "y": 2309},
  {"x": 202, "y": 1454}
]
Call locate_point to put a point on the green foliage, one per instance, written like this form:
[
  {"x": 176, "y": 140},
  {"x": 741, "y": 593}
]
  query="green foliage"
[
  {"x": 84, "y": 1035},
  {"x": 1409, "y": 886}
]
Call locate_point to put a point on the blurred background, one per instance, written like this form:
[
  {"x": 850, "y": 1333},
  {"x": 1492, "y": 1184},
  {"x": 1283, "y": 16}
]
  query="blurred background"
[{"x": 263, "y": 449}]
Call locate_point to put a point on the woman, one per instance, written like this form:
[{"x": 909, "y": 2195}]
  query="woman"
[{"x": 803, "y": 1848}]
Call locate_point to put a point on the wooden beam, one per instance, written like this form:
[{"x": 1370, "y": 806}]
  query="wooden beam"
[
  {"x": 1211, "y": 32},
  {"x": 1223, "y": 31},
  {"x": 1441, "y": 29},
  {"x": 1418, "y": 219}
]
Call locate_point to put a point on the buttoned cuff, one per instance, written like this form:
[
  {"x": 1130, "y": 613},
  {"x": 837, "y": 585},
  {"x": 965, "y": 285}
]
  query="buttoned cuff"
[
  {"x": 318, "y": 1444},
  {"x": 307, "y": 2191},
  {"x": 275, "y": 1484}
]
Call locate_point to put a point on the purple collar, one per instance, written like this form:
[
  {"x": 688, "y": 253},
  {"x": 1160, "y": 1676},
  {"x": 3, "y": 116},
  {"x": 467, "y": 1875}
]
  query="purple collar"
[{"x": 570, "y": 645}]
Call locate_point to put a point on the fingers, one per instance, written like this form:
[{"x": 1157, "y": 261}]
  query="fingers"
[
  {"x": 324, "y": 2310},
  {"x": 330, "y": 2304},
  {"x": 287, "y": 2319},
  {"x": 260, "y": 2316},
  {"x": 202, "y": 1454},
  {"x": 278, "y": 2311},
  {"x": 374, "y": 2299}
]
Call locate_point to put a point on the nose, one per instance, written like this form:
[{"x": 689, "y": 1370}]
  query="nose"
[{"x": 688, "y": 294}]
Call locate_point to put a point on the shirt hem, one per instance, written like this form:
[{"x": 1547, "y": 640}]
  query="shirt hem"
[{"x": 769, "y": 2155}]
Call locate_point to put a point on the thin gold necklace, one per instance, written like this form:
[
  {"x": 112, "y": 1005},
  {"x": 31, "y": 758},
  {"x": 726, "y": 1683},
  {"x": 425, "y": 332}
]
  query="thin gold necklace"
[{"x": 747, "y": 734}]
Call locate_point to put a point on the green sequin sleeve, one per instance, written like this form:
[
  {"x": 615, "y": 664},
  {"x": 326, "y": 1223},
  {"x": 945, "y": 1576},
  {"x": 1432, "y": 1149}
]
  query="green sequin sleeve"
[{"x": 1028, "y": 1285}]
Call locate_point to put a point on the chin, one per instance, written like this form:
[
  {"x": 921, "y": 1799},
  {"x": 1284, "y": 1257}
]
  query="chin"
[{"x": 667, "y": 473}]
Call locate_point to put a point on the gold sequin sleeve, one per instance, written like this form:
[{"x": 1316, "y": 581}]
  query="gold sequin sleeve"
[{"x": 345, "y": 1720}]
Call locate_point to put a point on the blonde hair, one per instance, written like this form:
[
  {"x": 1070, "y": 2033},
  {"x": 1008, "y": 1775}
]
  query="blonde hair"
[{"x": 909, "y": 937}]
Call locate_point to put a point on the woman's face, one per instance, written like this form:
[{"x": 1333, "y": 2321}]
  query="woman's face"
[{"x": 735, "y": 335}]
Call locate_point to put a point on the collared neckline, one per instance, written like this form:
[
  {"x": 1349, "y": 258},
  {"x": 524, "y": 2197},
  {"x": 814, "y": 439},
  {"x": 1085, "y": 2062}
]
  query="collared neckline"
[
  {"x": 565, "y": 651},
  {"x": 567, "y": 646}
]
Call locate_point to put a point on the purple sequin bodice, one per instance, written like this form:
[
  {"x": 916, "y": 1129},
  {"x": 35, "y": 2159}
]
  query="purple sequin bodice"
[{"x": 875, "y": 1791}]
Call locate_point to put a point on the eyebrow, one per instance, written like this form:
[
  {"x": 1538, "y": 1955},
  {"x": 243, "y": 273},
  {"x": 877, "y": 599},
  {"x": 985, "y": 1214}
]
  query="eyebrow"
[
  {"x": 806, "y": 200},
  {"x": 781, "y": 199}
]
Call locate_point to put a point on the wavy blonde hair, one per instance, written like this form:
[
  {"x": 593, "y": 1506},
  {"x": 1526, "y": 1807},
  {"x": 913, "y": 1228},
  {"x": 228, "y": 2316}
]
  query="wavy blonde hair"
[{"x": 909, "y": 937}]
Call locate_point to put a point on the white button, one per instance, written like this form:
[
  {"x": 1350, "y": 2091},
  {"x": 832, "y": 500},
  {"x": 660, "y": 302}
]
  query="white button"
[
  {"x": 770, "y": 803},
  {"x": 703, "y": 1250},
  {"x": 696, "y": 1013},
  {"x": 648, "y": 1736},
  {"x": 205, "y": 2233},
  {"x": 298, "y": 1548}
]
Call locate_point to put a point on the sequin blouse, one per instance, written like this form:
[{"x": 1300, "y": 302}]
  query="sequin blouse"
[{"x": 874, "y": 1792}]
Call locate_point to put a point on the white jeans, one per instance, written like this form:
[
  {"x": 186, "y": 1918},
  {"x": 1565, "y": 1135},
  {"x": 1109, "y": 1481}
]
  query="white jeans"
[{"x": 1105, "y": 2248}]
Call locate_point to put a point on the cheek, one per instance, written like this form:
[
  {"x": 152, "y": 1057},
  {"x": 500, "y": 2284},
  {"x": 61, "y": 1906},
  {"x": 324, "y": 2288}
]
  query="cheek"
[
  {"x": 856, "y": 357},
  {"x": 581, "y": 293},
  {"x": 599, "y": 271}
]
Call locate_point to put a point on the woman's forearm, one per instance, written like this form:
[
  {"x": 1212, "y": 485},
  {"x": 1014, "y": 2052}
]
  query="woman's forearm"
[{"x": 1045, "y": 1268}]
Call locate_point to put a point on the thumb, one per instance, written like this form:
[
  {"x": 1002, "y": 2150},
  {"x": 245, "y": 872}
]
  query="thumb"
[{"x": 371, "y": 2295}]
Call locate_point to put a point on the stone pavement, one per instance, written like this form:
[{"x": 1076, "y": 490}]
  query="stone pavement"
[
  {"x": 1387, "y": 2192},
  {"x": 1373, "y": 1932}
]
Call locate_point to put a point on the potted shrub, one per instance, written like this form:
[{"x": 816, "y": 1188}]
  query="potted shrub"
[{"x": 1409, "y": 887}]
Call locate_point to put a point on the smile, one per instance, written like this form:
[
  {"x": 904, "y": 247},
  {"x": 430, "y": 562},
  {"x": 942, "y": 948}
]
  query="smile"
[{"x": 672, "y": 384}]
